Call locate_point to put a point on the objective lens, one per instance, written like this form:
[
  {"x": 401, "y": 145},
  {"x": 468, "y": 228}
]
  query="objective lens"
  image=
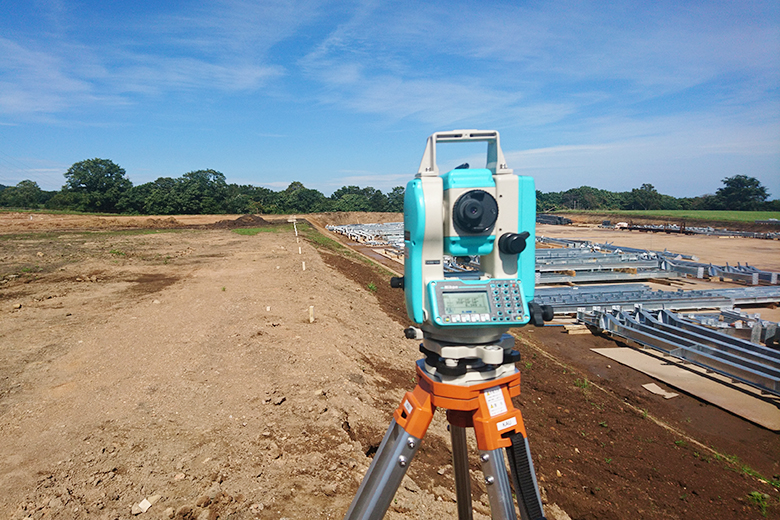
[{"x": 475, "y": 211}]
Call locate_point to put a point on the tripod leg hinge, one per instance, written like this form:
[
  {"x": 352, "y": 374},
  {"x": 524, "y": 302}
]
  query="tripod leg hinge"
[
  {"x": 496, "y": 419},
  {"x": 415, "y": 413}
]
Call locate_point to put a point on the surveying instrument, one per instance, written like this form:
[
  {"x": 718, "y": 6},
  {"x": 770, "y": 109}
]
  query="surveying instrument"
[{"x": 463, "y": 316}]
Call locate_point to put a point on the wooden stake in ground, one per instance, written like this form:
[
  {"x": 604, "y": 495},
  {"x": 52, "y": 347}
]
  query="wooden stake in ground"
[{"x": 311, "y": 313}]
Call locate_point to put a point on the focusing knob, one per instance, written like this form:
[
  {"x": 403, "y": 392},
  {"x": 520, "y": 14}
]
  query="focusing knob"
[
  {"x": 540, "y": 313},
  {"x": 513, "y": 243},
  {"x": 535, "y": 310},
  {"x": 548, "y": 312}
]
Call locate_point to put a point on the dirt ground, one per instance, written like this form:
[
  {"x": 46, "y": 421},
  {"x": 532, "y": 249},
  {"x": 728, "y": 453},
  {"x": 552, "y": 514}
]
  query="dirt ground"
[{"x": 174, "y": 360}]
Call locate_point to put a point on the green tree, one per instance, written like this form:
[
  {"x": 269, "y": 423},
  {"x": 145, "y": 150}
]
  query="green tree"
[
  {"x": 741, "y": 193},
  {"x": 354, "y": 198},
  {"x": 351, "y": 202},
  {"x": 96, "y": 185},
  {"x": 63, "y": 200},
  {"x": 26, "y": 194},
  {"x": 395, "y": 199},
  {"x": 261, "y": 200},
  {"x": 586, "y": 197},
  {"x": 163, "y": 197},
  {"x": 377, "y": 201},
  {"x": 299, "y": 199},
  {"x": 202, "y": 192},
  {"x": 646, "y": 197},
  {"x": 345, "y": 190}
]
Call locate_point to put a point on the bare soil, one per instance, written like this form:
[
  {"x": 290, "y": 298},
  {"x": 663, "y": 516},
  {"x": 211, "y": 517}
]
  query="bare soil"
[{"x": 179, "y": 364}]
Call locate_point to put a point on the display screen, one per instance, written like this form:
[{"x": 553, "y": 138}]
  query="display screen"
[{"x": 465, "y": 303}]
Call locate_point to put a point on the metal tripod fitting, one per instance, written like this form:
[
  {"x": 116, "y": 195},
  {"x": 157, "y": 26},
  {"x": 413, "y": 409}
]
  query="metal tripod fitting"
[
  {"x": 388, "y": 468},
  {"x": 499, "y": 490}
]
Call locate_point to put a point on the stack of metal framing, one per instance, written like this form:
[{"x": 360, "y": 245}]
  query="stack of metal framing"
[
  {"x": 695, "y": 230},
  {"x": 741, "y": 360},
  {"x": 555, "y": 266},
  {"x": 647, "y": 264},
  {"x": 569, "y": 300}
]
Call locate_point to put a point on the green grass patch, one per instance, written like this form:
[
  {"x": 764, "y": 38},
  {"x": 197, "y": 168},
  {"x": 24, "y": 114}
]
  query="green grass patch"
[
  {"x": 704, "y": 215},
  {"x": 738, "y": 466},
  {"x": 759, "y": 500},
  {"x": 44, "y": 235},
  {"x": 320, "y": 241},
  {"x": 582, "y": 383},
  {"x": 317, "y": 239}
]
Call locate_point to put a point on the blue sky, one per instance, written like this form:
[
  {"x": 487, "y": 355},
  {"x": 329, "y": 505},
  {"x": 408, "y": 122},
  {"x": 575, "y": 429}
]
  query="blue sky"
[{"x": 607, "y": 94}]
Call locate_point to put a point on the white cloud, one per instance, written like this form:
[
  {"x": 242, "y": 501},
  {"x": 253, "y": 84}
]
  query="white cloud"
[
  {"x": 444, "y": 63},
  {"x": 222, "y": 47},
  {"x": 36, "y": 81},
  {"x": 681, "y": 155}
]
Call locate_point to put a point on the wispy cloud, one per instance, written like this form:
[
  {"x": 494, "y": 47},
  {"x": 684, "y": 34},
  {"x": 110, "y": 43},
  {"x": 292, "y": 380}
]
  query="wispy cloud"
[
  {"x": 680, "y": 95},
  {"x": 677, "y": 154},
  {"x": 220, "y": 47},
  {"x": 37, "y": 81},
  {"x": 440, "y": 64}
]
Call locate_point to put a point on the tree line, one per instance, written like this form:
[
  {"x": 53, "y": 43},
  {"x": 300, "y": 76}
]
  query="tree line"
[
  {"x": 738, "y": 193},
  {"x": 100, "y": 185}
]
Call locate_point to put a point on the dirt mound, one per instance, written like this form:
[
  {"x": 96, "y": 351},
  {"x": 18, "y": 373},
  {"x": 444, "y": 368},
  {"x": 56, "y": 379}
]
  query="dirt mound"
[{"x": 244, "y": 221}]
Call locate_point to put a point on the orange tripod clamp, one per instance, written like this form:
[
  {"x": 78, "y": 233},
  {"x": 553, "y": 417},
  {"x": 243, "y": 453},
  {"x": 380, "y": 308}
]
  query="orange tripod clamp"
[{"x": 487, "y": 407}]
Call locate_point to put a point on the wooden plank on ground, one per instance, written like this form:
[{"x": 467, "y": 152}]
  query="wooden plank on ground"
[{"x": 739, "y": 403}]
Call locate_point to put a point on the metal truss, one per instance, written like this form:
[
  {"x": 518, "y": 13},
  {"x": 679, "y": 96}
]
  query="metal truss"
[
  {"x": 741, "y": 360},
  {"x": 569, "y": 300}
]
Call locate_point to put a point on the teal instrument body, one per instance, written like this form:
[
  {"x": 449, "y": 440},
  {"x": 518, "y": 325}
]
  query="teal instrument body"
[{"x": 487, "y": 214}]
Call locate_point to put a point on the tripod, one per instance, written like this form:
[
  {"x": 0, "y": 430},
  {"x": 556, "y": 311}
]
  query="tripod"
[{"x": 477, "y": 396}]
